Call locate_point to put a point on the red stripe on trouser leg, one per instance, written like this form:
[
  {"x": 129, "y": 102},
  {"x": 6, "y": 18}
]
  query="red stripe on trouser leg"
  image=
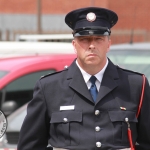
[{"x": 130, "y": 139}]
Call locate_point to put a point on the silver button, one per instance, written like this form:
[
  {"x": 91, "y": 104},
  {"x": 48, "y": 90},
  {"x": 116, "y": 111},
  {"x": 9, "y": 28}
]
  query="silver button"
[
  {"x": 97, "y": 128},
  {"x": 126, "y": 119},
  {"x": 98, "y": 144},
  {"x": 97, "y": 112},
  {"x": 65, "y": 120}
]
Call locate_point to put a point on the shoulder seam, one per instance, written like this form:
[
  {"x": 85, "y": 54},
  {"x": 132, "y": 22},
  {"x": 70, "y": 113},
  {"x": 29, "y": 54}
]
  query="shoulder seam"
[
  {"x": 129, "y": 70},
  {"x": 52, "y": 73}
]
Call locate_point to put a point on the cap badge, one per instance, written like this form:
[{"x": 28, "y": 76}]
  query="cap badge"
[
  {"x": 91, "y": 32},
  {"x": 91, "y": 16}
]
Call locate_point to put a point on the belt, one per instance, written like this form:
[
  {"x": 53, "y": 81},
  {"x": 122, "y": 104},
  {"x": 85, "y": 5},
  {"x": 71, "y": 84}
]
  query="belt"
[
  {"x": 125, "y": 149},
  {"x": 67, "y": 149},
  {"x": 59, "y": 148}
]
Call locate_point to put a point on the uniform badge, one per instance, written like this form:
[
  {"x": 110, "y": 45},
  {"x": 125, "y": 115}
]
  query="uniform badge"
[
  {"x": 122, "y": 108},
  {"x": 70, "y": 107},
  {"x": 91, "y": 17}
]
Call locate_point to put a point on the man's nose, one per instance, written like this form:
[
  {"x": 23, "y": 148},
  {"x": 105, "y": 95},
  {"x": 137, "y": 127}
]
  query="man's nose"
[{"x": 92, "y": 44}]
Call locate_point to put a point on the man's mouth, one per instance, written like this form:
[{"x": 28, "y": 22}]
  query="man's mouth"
[{"x": 91, "y": 54}]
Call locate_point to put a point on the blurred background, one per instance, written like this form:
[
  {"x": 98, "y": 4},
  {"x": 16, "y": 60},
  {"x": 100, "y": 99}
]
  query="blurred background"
[{"x": 19, "y": 17}]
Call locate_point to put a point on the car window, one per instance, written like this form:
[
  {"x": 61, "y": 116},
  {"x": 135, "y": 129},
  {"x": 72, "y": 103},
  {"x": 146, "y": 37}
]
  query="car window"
[
  {"x": 21, "y": 89},
  {"x": 26, "y": 82},
  {"x": 16, "y": 119},
  {"x": 136, "y": 60},
  {"x": 3, "y": 73}
]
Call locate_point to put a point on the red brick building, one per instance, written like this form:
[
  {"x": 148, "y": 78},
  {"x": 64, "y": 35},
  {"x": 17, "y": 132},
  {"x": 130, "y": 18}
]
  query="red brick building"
[{"x": 134, "y": 16}]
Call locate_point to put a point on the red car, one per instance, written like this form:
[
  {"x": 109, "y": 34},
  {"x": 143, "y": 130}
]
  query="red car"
[{"x": 18, "y": 76}]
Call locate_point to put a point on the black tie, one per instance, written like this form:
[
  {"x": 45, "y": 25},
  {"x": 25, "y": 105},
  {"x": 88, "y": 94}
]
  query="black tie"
[{"x": 93, "y": 89}]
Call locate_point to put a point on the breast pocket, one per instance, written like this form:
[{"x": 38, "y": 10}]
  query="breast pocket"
[
  {"x": 65, "y": 127},
  {"x": 120, "y": 127}
]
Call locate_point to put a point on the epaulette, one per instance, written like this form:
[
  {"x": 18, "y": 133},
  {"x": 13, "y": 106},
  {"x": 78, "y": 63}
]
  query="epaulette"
[
  {"x": 49, "y": 74},
  {"x": 129, "y": 70}
]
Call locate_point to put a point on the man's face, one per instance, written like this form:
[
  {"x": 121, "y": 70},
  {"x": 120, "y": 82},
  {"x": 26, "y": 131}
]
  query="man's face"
[{"x": 91, "y": 50}]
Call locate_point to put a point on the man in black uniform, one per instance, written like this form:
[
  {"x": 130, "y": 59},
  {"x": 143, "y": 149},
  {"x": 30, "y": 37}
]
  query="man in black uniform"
[{"x": 93, "y": 104}]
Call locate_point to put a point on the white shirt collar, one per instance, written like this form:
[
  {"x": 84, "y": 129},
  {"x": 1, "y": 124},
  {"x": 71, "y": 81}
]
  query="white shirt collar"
[
  {"x": 100, "y": 74},
  {"x": 87, "y": 76}
]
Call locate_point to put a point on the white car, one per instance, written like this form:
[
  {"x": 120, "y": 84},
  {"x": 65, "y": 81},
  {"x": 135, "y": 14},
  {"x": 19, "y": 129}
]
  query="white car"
[{"x": 135, "y": 57}]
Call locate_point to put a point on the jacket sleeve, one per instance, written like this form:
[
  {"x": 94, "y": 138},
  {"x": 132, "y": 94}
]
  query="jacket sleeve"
[
  {"x": 34, "y": 131},
  {"x": 143, "y": 127}
]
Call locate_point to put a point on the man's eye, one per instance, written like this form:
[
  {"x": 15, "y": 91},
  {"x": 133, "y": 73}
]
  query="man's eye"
[
  {"x": 84, "y": 39},
  {"x": 99, "y": 39}
]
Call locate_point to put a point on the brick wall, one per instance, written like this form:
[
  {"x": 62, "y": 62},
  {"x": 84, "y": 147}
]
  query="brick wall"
[
  {"x": 48, "y": 6},
  {"x": 133, "y": 14},
  {"x": 134, "y": 20}
]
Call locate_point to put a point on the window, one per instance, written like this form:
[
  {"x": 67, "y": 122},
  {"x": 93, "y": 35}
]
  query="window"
[
  {"x": 21, "y": 89},
  {"x": 135, "y": 60},
  {"x": 3, "y": 73}
]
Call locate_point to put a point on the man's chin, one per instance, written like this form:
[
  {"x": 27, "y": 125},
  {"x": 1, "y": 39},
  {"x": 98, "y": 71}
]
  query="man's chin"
[{"x": 92, "y": 63}]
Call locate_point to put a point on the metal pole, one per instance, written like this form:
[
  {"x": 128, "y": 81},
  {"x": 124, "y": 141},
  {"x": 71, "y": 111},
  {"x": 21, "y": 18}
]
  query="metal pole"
[
  {"x": 133, "y": 25},
  {"x": 39, "y": 30},
  {"x": 7, "y": 35},
  {"x": 0, "y": 35},
  {"x": 92, "y": 2}
]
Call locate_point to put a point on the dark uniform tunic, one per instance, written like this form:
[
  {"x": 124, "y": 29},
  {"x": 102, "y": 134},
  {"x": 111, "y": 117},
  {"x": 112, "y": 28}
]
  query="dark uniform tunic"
[{"x": 89, "y": 126}]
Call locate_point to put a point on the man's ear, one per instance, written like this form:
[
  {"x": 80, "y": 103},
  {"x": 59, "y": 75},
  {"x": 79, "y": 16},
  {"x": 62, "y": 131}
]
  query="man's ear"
[
  {"x": 109, "y": 44},
  {"x": 74, "y": 45}
]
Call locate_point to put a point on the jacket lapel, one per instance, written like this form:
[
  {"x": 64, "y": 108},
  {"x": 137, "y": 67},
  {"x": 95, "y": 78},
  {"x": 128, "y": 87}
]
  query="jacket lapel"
[
  {"x": 77, "y": 82},
  {"x": 109, "y": 81}
]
